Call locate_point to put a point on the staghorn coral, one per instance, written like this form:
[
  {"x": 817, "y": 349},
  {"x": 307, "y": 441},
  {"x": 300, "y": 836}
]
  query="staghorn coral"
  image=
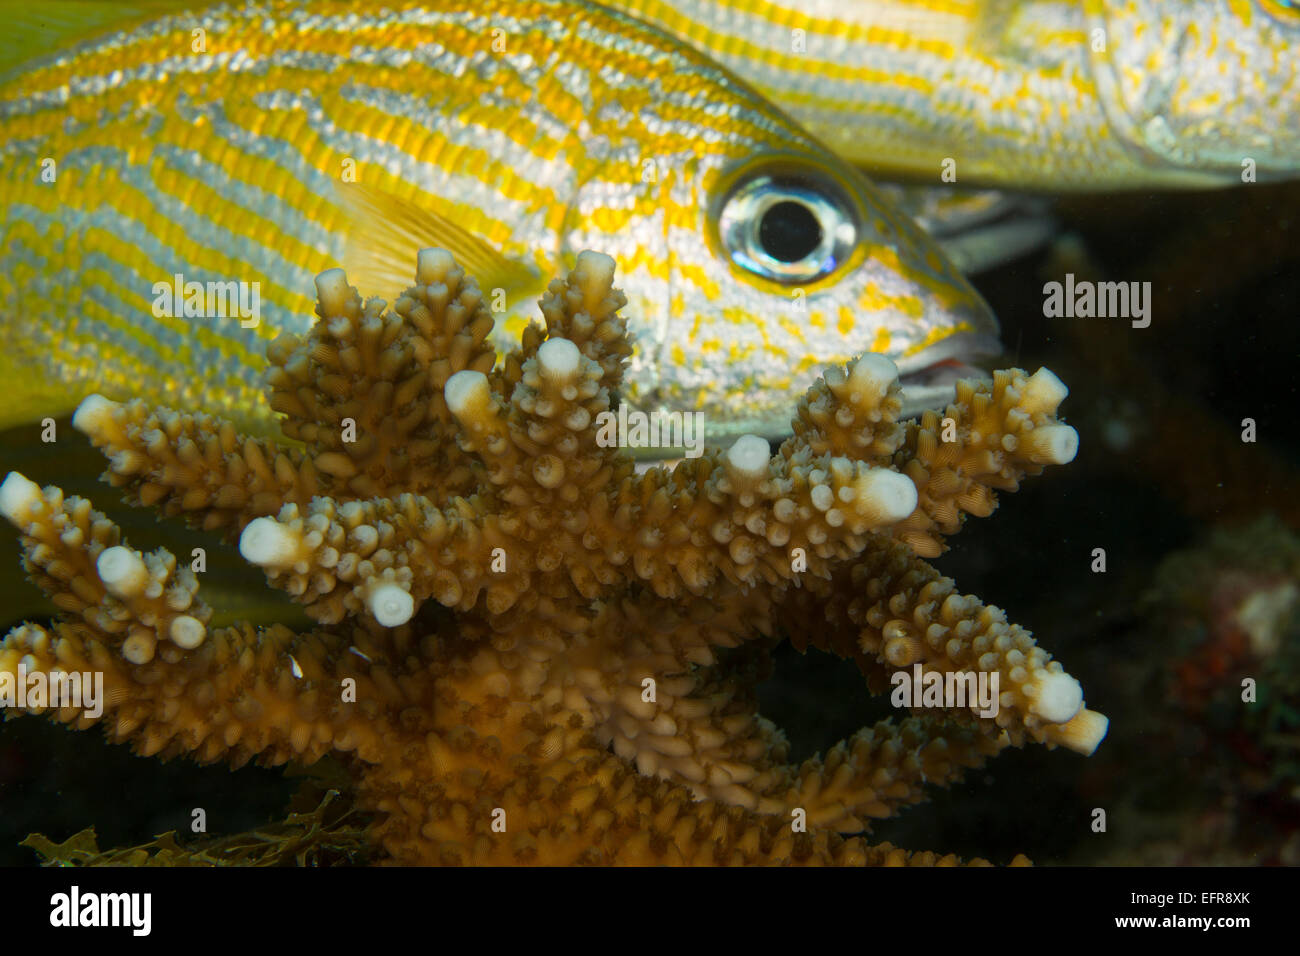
[{"x": 528, "y": 652}]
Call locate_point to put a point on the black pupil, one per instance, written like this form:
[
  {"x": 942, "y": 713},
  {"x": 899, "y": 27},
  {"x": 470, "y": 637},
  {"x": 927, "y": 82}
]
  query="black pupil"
[{"x": 789, "y": 231}]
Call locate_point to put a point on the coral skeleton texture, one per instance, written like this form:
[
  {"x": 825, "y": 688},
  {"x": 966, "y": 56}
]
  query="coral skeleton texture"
[{"x": 526, "y": 651}]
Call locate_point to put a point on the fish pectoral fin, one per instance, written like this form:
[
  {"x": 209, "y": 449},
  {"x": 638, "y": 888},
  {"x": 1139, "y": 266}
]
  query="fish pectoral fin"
[
  {"x": 32, "y": 30},
  {"x": 33, "y": 387},
  {"x": 978, "y": 229},
  {"x": 386, "y": 231}
]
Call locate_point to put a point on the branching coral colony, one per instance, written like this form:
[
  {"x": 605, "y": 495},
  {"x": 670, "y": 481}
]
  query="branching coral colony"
[{"x": 577, "y": 706}]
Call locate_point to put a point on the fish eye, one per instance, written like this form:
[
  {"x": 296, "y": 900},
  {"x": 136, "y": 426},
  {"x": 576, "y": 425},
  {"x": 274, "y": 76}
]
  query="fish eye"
[
  {"x": 788, "y": 225},
  {"x": 789, "y": 231}
]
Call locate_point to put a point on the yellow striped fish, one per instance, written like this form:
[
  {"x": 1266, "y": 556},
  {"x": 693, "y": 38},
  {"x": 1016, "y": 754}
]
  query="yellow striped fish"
[
  {"x": 1050, "y": 94},
  {"x": 169, "y": 176}
]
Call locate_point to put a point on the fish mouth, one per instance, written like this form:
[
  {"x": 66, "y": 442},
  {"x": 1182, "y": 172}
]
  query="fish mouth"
[{"x": 929, "y": 378}]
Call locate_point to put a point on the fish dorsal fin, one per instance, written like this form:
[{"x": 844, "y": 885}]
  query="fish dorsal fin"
[
  {"x": 33, "y": 30},
  {"x": 386, "y": 231}
]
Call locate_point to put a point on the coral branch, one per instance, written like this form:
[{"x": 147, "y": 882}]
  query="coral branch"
[
  {"x": 74, "y": 555},
  {"x": 272, "y": 695},
  {"x": 892, "y": 611},
  {"x": 532, "y": 653},
  {"x": 335, "y": 558},
  {"x": 988, "y": 440},
  {"x": 363, "y": 390},
  {"x": 196, "y": 466}
]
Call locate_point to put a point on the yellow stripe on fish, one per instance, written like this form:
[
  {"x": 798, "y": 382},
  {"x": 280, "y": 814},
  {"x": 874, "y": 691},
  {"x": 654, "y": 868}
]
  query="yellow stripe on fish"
[
  {"x": 1050, "y": 94},
  {"x": 262, "y": 143}
]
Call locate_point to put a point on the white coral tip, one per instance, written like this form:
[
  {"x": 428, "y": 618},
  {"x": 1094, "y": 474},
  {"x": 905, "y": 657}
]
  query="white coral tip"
[
  {"x": 391, "y": 604},
  {"x": 1083, "y": 733},
  {"x": 1058, "y": 699},
  {"x": 187, "y": 632},
  {"x": 17, "y": 495},
  {"x": 122, "y": 571},
  {"x": 749, "y": 457},
  {"x": 873, "y": 373},
  {"x": 269, "y": 544},
  {"x": 558, "y": 359},
  {"x": 332, "y": 291},
  {"x": 464, "y": 391},
  {"x": 886, "y": 495},
  {"x": 594, "y": 270},
  {"x": 432, "y": 265},
  {"x": 1052, "y": 444},
  {"x": 1042, "y": 392},
  {"x": 93, "y": 415}
]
